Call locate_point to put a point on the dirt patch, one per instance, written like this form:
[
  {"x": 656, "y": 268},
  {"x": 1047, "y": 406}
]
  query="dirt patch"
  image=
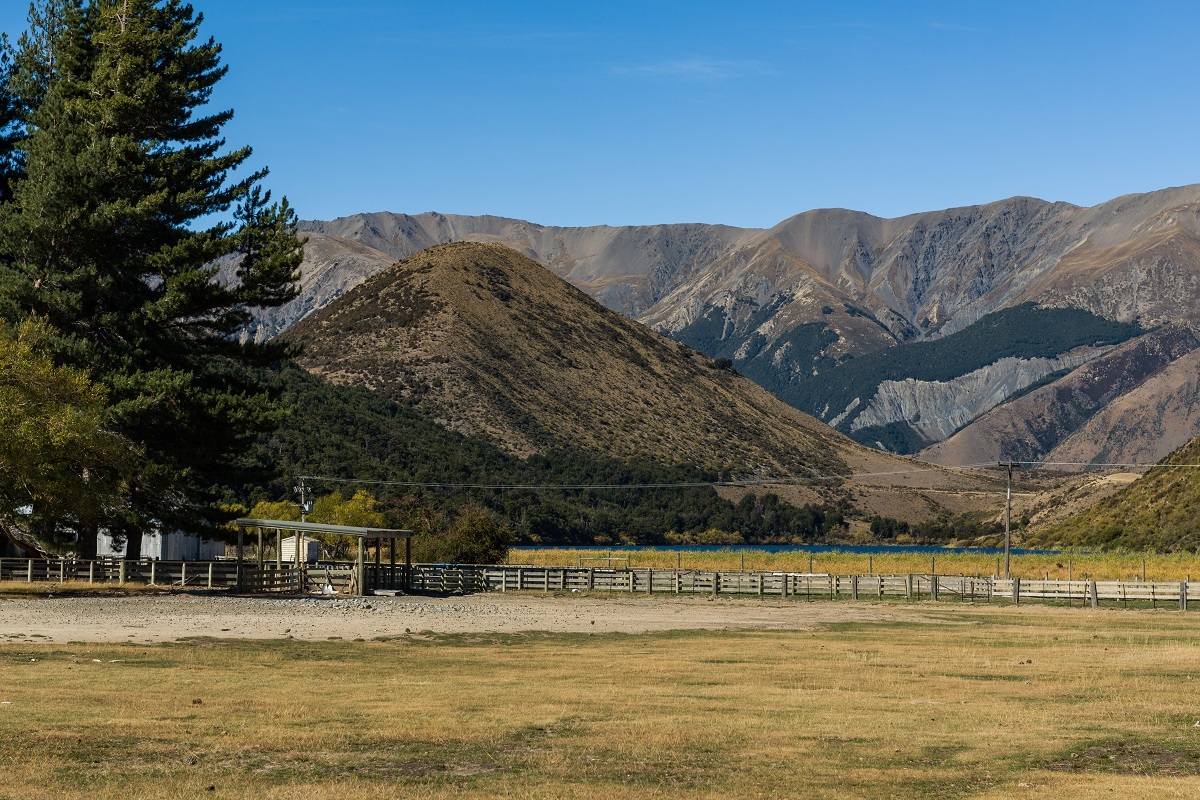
[
  {"x": 1131, "y": 758},
  {"x": 167, "y": 618}
]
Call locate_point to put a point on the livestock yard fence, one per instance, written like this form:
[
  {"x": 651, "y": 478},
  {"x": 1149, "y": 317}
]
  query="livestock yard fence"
[{"x": 338, "y": 577}]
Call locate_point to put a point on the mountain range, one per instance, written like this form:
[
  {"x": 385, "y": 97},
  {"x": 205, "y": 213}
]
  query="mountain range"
[
  {"x": 488, "y": 343},
  {"x": 1020, "y": 328}
]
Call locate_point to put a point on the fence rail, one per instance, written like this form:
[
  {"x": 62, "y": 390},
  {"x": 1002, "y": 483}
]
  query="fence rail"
[{"x": 456, "y": 578}]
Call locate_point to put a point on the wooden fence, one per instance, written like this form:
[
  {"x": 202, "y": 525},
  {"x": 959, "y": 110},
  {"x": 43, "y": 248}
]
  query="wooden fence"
[
  {"x": 462, "y": 579},
  {"x": 184, "y": 574}
]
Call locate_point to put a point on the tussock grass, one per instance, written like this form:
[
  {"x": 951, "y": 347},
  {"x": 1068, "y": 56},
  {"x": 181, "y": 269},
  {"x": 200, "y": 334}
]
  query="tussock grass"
[
  {"x": 975, "y": 703},
  {"x": 1079, "y": 565},
  {"x": 18, "y": 588}
]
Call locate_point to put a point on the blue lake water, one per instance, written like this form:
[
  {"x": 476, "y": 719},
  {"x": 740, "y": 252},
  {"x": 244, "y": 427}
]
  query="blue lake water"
[{"x": 798, "y": 548}]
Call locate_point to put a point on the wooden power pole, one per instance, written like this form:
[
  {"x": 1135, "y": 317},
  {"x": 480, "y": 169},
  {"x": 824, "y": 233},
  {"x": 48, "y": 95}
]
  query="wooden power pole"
[{"x": 1008, "y": 519}]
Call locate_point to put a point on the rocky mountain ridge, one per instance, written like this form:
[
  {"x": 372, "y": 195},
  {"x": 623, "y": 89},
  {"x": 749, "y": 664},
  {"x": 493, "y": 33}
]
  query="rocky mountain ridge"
[
  {"x": 791, "y": 305},
  {"x": 488, "y": 343}
]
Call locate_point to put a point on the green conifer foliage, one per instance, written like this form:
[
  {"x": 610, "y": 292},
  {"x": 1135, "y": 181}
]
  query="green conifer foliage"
[{"x": 109, "y": 233}]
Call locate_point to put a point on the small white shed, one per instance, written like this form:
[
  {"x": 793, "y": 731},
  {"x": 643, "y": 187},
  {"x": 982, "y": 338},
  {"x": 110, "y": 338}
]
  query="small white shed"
[{"x": 311, "y": 549}]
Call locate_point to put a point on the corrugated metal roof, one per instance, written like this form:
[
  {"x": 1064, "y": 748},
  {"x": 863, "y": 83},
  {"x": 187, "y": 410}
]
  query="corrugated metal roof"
[{"x": 320, "y": 527}]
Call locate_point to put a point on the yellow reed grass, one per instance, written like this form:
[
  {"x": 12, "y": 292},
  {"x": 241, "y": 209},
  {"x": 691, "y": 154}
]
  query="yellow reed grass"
[{"x": 1077, "y": 565}]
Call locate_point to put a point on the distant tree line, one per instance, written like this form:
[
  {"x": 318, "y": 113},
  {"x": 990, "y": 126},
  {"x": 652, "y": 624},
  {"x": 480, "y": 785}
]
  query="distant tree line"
[{"x": 350, "y": 433}]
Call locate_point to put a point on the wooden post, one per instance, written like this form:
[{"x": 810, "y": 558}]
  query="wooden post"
[
  {"x": 408, "y": 563},
  {"x": 210, "y": 574},
  {"x": 361, "y": 566},
  {"x": 378, "y": 564},
  {"x": 591, "y": 584},
  {"x": 1183, "y": 596},
  {"x": 120, "y": 572},
  {"x": 153, "y": 562},
  {"x": 183, "y": 573},
  {"x": 870, "y": 564},
  {"x": 1143, "y": 570},
  {"x": 853, "y": 587},
  {"x": 810, "y": 555},
  {"x": 783, "y": 586},
  {"x": 1016, "y": 591},
  {"x": 650, "y": 581},
  {"x": 392, "y": 566},
  {"x": 716, "y": 583},
  {"x": 241, "y": 543},
  {"x": 91, "y": 572},
  {"x": 908, "y": 586},
  {"x": 933, "y": 587},
  {"x": 759, "y": 579},
  {"x": 260, "y": 550},
  {"x": 29, "y": 572},
  {"x": 279, "y": 549}
]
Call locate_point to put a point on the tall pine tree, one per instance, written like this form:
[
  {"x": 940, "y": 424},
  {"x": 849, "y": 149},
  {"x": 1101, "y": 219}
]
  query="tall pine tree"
[{"x": 117, "y": 171}]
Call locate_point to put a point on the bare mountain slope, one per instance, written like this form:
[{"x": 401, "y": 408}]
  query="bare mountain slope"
[
  {"x": 1072, "y": 418},
  {"x": 489, "y": 343},
  {"x": 487, "y": 340},
  {"x": 792, "y": 305}
]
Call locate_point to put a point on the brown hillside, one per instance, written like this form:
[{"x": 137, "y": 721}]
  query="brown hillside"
[{"x": 490, "y": 342}]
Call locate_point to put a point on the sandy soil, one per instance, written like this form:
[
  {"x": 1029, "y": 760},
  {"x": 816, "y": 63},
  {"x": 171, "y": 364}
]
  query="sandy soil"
[{"x": 150, "y": 618}]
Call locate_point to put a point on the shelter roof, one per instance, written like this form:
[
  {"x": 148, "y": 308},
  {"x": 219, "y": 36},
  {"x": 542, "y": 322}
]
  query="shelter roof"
[{"x": 320, "y": 527}]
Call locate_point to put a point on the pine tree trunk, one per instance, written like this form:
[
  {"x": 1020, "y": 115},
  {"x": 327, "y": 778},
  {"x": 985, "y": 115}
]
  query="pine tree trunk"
[
  {"x": 85, "y": 548},
  {"x": 133, "y": 545}
]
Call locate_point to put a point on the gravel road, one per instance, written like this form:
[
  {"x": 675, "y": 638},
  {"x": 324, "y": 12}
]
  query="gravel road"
[{"x": 156, "y": 618}]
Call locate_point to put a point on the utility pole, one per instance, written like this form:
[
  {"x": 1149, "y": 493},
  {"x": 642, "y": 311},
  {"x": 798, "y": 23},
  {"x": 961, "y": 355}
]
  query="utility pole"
[
  {"x": 305, "y": 503},
  {"x": 1008, "y": 518}
]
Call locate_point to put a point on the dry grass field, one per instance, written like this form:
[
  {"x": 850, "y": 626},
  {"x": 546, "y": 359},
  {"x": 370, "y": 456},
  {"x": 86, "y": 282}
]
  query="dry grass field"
[
  {"x": 1100, "y": 566},
  {"x": 974, "y": 702}
]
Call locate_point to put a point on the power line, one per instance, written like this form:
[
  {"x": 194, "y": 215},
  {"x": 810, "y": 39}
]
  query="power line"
[{"x": 777, "y": 481}]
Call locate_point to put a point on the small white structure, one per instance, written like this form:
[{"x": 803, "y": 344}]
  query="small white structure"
[
  {"x": 311, "y": 549},
  {"x": 173, "y": 546}
]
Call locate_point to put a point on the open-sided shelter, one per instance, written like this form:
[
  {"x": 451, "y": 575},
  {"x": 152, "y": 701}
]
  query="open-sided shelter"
[{"x": 298, "y": 528}]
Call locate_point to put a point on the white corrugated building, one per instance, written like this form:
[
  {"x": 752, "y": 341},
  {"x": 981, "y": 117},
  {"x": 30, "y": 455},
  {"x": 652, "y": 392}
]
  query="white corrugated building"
[{"x": 174, "y": 546}]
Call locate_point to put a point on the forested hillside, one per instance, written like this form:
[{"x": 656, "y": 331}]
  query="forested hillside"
[
  {"x": 1159, "y": 511},
  {"x": 348, "y": 432}
]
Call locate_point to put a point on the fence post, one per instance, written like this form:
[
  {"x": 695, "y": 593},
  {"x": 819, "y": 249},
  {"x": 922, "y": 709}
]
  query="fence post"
[
  {"x": 853, "y": 587},
  {"x": 783, "y": 586},
  {"x": 591, "y": 579},
  {"x": 210, "y": 573},
  {"x": 908, "y": 586},
  {"x": 121, "y": 572},
  {"x": 1016, "y": 591},
  {"x": 716, "y": 583},
  {"x": 183, "y": 573},
  {"x": 1095, "y": 594},
  {"x": 152, "y": 575},
  {"x": 650, "y": 581},
  {"x": 1182, "y": 596},
  {"x": 91, "y": 572},
  {"x": 933, "y": 587},
  {"x": 29, "y": 572}
]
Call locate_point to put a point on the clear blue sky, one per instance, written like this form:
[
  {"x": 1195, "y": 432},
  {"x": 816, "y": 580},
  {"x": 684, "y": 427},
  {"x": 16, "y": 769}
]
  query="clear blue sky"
[{"x": 614, "y": 112}]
